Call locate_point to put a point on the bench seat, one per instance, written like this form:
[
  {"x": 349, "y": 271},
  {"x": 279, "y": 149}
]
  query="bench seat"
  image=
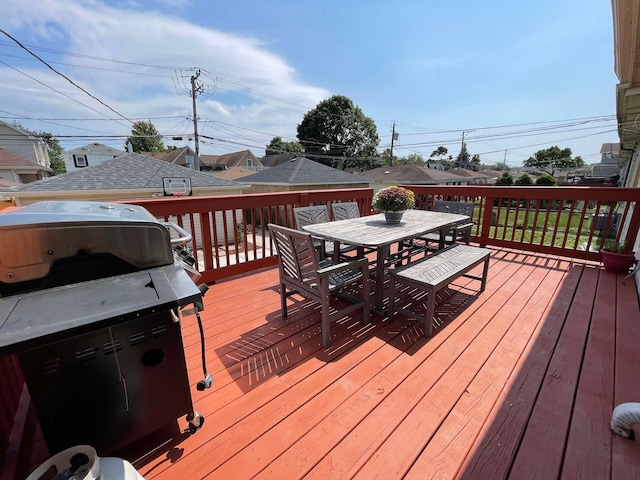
[{"x": 435, "y": 272}]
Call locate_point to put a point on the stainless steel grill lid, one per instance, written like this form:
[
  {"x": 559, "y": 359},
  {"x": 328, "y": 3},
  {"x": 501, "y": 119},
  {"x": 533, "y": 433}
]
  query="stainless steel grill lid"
[{"x": 33, "y": 238}]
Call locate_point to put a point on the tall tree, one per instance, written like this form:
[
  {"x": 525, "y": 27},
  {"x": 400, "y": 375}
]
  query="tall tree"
[
  {"x": 145, "y": 138},
  {"x": 463, "y": 159},
  {"x": 550, "y": 159},
  {"x": 505, "y": 179},
  {"x": 338, "y": 128},
  {"x": 56, "y": 153},
  {"x": 278, "y": 146},
  {"x": 439, "y": 153}
]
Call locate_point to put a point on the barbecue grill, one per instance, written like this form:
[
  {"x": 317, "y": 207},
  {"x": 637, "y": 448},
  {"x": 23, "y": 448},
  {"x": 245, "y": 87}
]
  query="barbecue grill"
[{"x": 90, "y": 299}]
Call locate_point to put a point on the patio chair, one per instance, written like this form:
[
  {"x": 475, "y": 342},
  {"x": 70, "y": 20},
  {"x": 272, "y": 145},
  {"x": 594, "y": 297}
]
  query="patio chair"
[
  {"x": 301, "y": 272},
  {"x": 345, "y": 210},
  {"x": 319, "y": 214},
  {"x": 459, "y": 233}
]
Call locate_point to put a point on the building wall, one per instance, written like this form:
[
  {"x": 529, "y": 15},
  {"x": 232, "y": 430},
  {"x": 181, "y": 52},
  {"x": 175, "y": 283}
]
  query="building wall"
[
  {"x": 23, "y": 145},
  {"x": 91, "y": 160}
]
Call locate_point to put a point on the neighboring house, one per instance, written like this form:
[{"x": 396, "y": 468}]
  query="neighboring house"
[
  {"x": 473, "y": 177},
  {"x": 411, "y": 175},
  {"x": 245, "y": 159},
  {"x": 129, "y": 176},
  {"x": 274, "y": 160},
  {"x": 301, "y": 173},
  {"x": 184, "y": 157},
  {"x": 15, "y": 169},
  {"x": 89, "y": 155},
  {"x": 234, "y": 173},
  {"x": 25, "y": 144},
  {"x": 609, "y": 161}
]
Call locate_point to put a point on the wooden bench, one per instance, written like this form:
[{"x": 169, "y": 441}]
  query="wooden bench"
[{"x": 434, "y": 272}]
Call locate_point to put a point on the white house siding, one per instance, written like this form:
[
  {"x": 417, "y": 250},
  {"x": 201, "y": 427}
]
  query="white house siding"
[
  {"x": 24, "y": 145},
  {"x": 91, "y": 160}
]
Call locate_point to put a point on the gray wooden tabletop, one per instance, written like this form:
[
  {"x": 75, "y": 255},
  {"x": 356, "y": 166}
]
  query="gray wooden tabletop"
[{"x": 372, "y": 231}]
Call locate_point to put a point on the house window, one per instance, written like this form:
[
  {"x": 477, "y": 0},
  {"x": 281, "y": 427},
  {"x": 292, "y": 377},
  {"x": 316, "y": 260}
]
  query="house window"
[
  {"x": 80, "y": 160},
  {"x": 190, "y": 162},
  {"x": 249, "y": 162}
]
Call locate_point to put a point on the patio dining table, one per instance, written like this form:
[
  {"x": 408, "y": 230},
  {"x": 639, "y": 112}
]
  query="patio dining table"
[{"x": 373, "y": 232}]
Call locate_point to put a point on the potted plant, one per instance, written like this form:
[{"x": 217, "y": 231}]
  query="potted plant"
[
  {"x": 393, "y": 201},
  {"x": 616, "y": 256}
]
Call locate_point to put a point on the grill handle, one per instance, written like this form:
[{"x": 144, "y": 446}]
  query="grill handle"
[{"x": 183, "y": 235}]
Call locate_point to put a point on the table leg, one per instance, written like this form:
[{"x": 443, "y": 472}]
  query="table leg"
[{"x": 378, "y": 301}]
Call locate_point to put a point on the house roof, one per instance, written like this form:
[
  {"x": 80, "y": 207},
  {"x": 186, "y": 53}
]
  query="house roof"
[
  {"x": 302, "y": 171},
  {"x": 411, "y": 174},
  {"x": 233, "y": 173},
  {"x": 8, "y": 159},
  {"x": 22, "y": 131},
  {"x": 94, "y": 149},
  {"x": 169, "y": 155},
  {"x": 463, "y": 172},
  {"x": 610, "y": 148},
  {"x": 273, "y": 160},
  {"x": 233, "y": 159},
  {"x": 128, "y": 171}
]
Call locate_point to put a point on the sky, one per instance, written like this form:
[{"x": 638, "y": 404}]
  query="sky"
[{"x": 510, "y": 78}]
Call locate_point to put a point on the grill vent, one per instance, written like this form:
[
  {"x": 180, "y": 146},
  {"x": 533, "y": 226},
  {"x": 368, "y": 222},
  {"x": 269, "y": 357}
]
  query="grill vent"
[
  {"x": 111, "y": 347},
  {"x": 86, "y": 354},
  {"x": 158, "y": 331},
  {"x": 136, "y": 338},
  {"x": 52, "y": 365}
]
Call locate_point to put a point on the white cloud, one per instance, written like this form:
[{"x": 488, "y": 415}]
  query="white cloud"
[{"x": 274, "y": 94}]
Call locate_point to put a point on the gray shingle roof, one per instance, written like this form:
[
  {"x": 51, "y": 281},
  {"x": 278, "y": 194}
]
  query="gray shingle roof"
[
  {"x": 302, "y": 171},
  {"x": 411, "y": 174},
  {"x": 128, "y": 171},
  {"x": 94, "y": 149}
]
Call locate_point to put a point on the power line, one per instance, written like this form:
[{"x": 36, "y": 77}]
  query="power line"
[{"x": 64, "y": 76}]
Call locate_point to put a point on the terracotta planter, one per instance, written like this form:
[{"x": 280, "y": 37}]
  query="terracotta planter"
[{"x": 617, "y": 262}]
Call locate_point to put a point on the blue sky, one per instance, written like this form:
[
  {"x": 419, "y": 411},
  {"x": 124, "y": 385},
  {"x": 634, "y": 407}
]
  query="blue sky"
[{"x": 515, "y": 77}]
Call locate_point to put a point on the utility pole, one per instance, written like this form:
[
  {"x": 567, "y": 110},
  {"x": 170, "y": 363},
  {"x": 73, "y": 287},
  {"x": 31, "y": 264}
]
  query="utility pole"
[
  {"x": 196, "y": 89},
  {"x": 393, "y": 137}
]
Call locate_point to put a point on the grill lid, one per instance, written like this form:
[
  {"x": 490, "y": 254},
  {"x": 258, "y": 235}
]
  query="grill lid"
[{"x": 35, "y": 237}]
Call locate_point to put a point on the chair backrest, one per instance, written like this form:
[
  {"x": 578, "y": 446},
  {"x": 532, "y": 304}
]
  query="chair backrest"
[
  {"x": 296, "y": 256},
  {"x": 460, "y": 208},
  {"x": 345, "y": 210},
  {"x": 310, "y": 215}
]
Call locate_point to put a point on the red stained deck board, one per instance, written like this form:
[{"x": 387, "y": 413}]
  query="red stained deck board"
[
  {"x": 538, "y": 455},
  {"x": 588, "y": 451},
  {"x": 454, "y": 375},
  {"x": 501, "y": 434},
  {"x": 444, "y": 456},
  {"x": 283, "y": 407}
]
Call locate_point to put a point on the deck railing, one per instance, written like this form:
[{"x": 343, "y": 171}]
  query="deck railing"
[
  {"x": 231, "y": 237},
  {"x": 568, "y": 221},
  {"x": 230, "y": 233}
]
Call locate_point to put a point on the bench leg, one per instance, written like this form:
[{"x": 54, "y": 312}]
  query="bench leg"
[{"x": 485, "y": 271}]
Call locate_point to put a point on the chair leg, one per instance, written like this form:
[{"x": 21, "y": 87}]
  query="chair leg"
[
  {"x": 325, "y": 322},
  {"x": 283, "y": 300}
]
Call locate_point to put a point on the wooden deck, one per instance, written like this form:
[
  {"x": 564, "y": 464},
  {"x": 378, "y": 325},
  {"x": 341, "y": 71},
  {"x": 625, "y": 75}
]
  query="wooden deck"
[{"x": 518, "y": 382}]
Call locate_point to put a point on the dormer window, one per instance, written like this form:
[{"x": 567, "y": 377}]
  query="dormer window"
[{"x": 80, "y": 161}]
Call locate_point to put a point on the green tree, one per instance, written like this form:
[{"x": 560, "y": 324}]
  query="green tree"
[
  {"x": 475, "y": 163},
  {"x": 411, "y": 159},
  {"x": 337, "y": 128},
  {"x": 439, "y": 153},
  {"x": 546, "y": 180},
  {"x": 145, "y": 138},
  {"x": 550, "y": 159},
  {"x": 524, "y": 180},
  {"x": 463, "y": 160},
  {"x": 498, "y": 167},
  {"x": 56, "y": 153},
  {"x": 278, "y": 146},
  {"x": 506, "y": 179}
]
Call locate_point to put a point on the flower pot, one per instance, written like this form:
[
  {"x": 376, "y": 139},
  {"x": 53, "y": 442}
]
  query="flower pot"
[
  {"x": 617, "y": 262},
  {"x": 393, "y": 217}
]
